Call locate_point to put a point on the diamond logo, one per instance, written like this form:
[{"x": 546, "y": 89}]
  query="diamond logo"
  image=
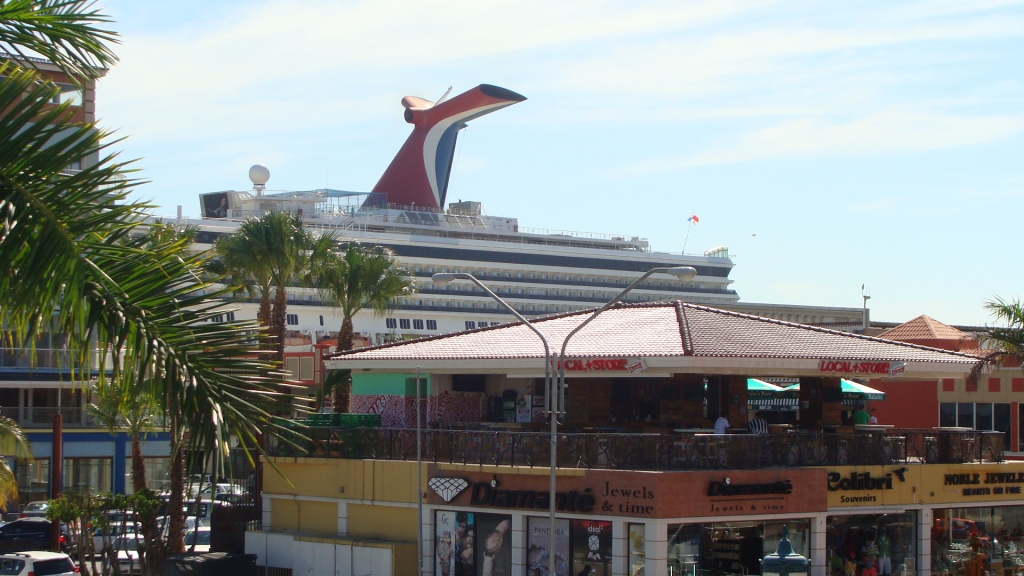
[{"x": 448, "y": 488}]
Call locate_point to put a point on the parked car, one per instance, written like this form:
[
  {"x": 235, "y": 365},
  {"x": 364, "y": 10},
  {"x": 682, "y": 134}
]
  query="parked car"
[
  {"x": 35, "y": 509},
  {"x": 127, "y": 548},
  {"x": 28, "y": 534},
  {"x": 114, "y": 532},
  {"x": 37, "y": 564},
  {"x": 200, "y": 537}
]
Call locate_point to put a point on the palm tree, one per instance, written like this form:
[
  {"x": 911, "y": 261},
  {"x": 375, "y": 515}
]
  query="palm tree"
[
  {"x": 12, "y": 443},
  {"x": 269, "y": 251},
  {"x": 71, "y": 263},
  {"x": 358, "y": 277},
  {"x": 1008, "y": 340}
]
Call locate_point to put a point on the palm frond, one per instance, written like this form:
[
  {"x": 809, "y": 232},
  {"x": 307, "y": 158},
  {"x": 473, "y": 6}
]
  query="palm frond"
[{"x": 69, "y": 33}]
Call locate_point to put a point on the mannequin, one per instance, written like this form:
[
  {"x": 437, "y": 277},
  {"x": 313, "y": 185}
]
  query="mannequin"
[{"x": 884, "y": 551}]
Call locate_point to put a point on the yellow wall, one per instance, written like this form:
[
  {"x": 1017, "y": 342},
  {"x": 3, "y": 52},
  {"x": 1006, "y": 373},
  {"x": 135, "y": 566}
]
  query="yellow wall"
[
  {"x": 382, "y": 522},
  {"x": 391, "y": 481},
  {"x": 311, "y": 517},
  {"x": 983, "y": 394},
  {"x": 927, "y": 484}
]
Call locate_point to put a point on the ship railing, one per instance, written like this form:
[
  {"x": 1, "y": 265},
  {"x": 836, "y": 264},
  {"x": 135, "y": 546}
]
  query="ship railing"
[{"x": 653, "y": 451}]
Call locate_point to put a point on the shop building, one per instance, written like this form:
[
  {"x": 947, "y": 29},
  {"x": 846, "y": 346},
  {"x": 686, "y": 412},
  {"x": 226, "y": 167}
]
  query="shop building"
[
  {"x": 641, "y": 486},
  {"x": 995, "y": 401}
]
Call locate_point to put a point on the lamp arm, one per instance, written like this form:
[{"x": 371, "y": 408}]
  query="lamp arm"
[{"x": 475, "y": 280}]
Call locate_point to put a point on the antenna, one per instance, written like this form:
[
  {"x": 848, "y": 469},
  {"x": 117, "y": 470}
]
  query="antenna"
[
  {"x": 444, "y": 96},
  {"x": 865, "y": 323},
  {"x": 259, "y": 175}
]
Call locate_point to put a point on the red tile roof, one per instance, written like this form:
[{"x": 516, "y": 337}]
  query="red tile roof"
[
  {"x": 659, "y": 329},
  {"x": 924, "y": 328}
]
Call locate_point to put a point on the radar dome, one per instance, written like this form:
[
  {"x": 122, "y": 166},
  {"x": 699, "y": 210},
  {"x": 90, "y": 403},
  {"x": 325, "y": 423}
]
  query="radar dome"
[{"x": 259, "y": 174}]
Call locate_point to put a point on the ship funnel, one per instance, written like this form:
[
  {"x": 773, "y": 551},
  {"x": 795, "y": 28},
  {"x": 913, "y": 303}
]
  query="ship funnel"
[{"x": 420, "y": 171}]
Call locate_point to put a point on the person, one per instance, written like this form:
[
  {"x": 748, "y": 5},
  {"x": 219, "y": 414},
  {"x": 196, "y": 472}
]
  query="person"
[
  {"x": 721, "y": 425},
  {"x": 758, "y": 425},
  {"x": 874, "y": 417},
  {"x": 860, "y": 416}
]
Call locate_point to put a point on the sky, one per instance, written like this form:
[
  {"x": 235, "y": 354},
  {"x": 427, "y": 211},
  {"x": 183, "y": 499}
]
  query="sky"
[{"x": 829, "y": 145}]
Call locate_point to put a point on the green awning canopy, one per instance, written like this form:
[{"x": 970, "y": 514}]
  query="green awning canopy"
[{"x": 852, "y": 391}]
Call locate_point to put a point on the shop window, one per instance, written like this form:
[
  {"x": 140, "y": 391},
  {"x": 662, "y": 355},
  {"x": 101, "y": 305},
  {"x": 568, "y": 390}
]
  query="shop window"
[
  {"x": 87, "y": 475},
  {"x": 404, "y": 323},
  {"x": 637, "y": 548},
  {"x": 431, "y": 324},
  {"x": 417, "y": 324},
  {"x": 33, "y": 479},
  {"x": 306, "y": 368},
  {"x": 730, "y": 548},
  {"x": 886, "y": 542},
  {"x": 157, "y": 473},
  {"x": 947, "y": 415},
  {"x": 291, "y": 365},
  {"x": 961, "y": 535},
  {"x": 965, "y": 415}
]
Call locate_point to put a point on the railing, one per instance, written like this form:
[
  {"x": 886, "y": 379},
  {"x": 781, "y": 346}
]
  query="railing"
[
  {"x": 624, "y": 451},
  {"x": 43, "y": 417},
  {"x": 39, "y": 358}
]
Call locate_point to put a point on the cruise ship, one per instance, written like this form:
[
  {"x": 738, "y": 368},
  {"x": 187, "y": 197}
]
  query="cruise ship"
[{"x": 536, "y": 271}]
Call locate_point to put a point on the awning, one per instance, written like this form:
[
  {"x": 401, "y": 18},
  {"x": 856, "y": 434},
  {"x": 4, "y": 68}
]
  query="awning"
[{"x": 852, "y": 391}]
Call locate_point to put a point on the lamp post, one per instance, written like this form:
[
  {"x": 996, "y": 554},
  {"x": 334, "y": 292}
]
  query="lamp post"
[
  {"x": 555, "y": 401},
  {"x": 446, "y": 277},
  {"x": 784, "y": 562}
]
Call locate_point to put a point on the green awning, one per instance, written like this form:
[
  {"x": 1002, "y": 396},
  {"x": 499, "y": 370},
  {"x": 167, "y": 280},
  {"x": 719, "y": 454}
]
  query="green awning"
[{"x": 852, "y": 391}]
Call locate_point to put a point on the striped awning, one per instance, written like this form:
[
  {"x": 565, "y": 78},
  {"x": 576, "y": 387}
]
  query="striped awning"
[{"x": 852, "y": 392}]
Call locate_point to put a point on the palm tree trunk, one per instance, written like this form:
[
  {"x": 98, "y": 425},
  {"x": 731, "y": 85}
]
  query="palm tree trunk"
[
  {"x": 343, "y": 388},
  {"x": 138, "y": 466},
  {"x": 264, "y": 314},
  {"x": 278, "y": 321},
  {"x": 176, "y": 502}
]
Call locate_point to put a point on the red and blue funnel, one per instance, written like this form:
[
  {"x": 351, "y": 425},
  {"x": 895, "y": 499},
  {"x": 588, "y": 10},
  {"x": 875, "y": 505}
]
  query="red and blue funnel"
[{"x": 418, "y": 176}]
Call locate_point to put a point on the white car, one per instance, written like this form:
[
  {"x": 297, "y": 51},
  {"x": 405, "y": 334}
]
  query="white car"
[
  {"x": 127, "y": 548},
  {"x": 114, "y": 532},
  {"x": 35, "y": 509},
  {"x": 29, "y": 563},
  {"x": 200, "y": 536}
]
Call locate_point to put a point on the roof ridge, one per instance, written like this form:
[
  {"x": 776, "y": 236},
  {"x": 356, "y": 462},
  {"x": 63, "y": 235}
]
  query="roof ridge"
[
  {"x": 684, "y": 328},
  {"x": 822, "y": 330}
]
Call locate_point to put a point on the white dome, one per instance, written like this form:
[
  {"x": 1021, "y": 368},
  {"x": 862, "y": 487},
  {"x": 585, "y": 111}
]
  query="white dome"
[{"x": 259, "y": 174}]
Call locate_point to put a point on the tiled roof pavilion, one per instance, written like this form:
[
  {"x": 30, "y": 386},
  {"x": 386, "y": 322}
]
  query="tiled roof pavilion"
[{"x": 671, "y": 337}]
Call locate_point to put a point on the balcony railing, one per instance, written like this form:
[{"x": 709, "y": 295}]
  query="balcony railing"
[
  {"x": 43, "y": 417},
  {"x": 622, "y": 451}
]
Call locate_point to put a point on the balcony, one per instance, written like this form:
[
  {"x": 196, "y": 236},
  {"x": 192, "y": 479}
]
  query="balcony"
[
  {"x": 28, "y": 418},
  {"x": 654, "y": 451}
]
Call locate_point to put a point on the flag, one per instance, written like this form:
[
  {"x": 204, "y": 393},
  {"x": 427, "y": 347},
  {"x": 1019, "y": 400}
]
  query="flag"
[{"x": 693, "y": 219}]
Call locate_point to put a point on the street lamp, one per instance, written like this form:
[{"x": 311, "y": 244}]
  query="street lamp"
[
  {"x": 555, "y": 404},
  {"x": 446, "y": 277},
  {"x": 784, "y": 562}
]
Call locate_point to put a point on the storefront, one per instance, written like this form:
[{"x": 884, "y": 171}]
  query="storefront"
[
  {"x": 964, "y": 520},
  {"x": 713, "y": 522}
]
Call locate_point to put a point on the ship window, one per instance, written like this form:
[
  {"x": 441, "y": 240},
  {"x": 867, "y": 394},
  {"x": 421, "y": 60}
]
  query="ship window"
[
  {"x": 321, "y": 320},
  {"x": 403, "y": 323},
  {"x": 544, "y": 277},
  {"x": 292, "y": 319},
  {"x": 458, "y": 304},
  {"x": 391, "y": 323},
  {"x": 444, "y": 303},
  {"x": 455, "y": 288},
  {"x": 481, "y": 324},
  {"x": 419, "y": 269},
  {"x": 532, "y": 308},
  {"x": 532, "y": 291},
  {"x": 417, "y": 324},
  {"x": 508, "y": 274},
  {"x": 458, "y": 271},
  {"x": 431, "y": 270},
  {"x": 532, "y": 276},
  {"x": 431, "y": 324},
  {"x": 470, "y": 325}
]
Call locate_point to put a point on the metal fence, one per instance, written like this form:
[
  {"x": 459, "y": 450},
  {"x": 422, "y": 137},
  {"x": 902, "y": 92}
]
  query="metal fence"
[{"x": 623, "y": 451}]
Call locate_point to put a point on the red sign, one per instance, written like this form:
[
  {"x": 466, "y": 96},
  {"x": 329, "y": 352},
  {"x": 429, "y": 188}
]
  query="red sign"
[
  {"x": 853, "y": 367},
  {"x": 597, "y": 365}
]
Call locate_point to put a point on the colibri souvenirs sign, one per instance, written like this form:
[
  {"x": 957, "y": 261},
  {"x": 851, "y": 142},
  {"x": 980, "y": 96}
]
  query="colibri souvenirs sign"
[
  {"x": 924, "y": 484},
  {"x": 635, "y": 494}
]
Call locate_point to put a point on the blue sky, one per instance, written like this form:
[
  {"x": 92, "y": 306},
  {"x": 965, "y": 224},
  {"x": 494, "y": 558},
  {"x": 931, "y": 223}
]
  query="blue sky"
[{"x": 828, "y": 144}]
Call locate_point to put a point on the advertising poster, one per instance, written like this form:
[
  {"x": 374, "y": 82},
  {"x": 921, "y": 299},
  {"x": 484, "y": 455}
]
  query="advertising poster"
[
  {"x": 591, "y": 548},
  {"x": 464, "y": 562},
  {"x": 637, "y": 549},
  {"x": 538, "y": 543},
  {"x": 214, "y": 205},
  {"x": 494, "y": 544}
]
